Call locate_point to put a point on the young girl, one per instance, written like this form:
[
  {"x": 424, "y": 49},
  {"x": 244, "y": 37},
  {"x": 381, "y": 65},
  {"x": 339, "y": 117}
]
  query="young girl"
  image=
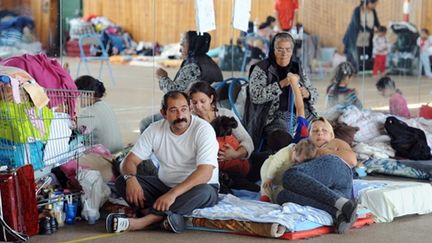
[
  {"x": 397, "y": 103},
  {"x": 338, "y": 92},
  {"x": 223, "y": 126},
  {"x": 425, "y": 43},
  {"x": 380, "y": 46}
]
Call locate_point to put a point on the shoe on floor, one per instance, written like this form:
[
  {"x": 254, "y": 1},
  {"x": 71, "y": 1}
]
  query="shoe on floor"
[
  {"x": 116, "y": 223},
  {"x": 174, "y": 223}
]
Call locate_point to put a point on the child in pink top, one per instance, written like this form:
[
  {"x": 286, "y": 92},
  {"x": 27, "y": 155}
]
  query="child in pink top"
[{"x": 398, "y": 104}]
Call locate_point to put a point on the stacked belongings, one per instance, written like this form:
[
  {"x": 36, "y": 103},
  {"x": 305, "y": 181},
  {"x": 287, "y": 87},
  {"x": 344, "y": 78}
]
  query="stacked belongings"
[
  {"x": 404, "y": 51},
  {"x": 16, "y": 35},
  {"x": 24, "y": 119}
]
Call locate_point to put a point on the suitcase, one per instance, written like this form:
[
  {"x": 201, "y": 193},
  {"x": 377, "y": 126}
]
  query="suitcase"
[{"x": 18, "y": 203}]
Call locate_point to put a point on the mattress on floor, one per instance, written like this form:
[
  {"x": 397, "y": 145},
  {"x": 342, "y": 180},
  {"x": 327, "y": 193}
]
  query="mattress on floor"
[
  {"x": 233, "y": 214},
  {"x": 268, "y": 229},
  {"x": 396, "y": 199}
]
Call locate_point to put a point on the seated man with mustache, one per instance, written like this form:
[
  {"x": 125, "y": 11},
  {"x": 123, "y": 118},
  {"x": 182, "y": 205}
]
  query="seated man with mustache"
[{"x": 187, "y": 149}]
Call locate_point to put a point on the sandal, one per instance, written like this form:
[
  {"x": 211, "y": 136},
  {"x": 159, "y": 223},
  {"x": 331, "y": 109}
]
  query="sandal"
[
  {"x": 116, "y": 223},
  {"x": 174, "y": 223}
]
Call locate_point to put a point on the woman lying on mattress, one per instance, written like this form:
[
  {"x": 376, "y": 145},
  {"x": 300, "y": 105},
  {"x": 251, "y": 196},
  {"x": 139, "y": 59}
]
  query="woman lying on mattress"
[{"x": 325, "y": 182}]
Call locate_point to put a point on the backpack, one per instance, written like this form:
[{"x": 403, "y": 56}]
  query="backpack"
[{"x": 408, "y": 142}]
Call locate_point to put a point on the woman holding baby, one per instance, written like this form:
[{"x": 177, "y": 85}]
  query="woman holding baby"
[{"x": 233, "y": 159}]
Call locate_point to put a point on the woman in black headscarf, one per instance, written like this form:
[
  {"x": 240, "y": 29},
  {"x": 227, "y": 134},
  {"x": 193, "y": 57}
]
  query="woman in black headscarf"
[
  {"x": 267, "y": 110},
  {"x": 197, "y": 66}
]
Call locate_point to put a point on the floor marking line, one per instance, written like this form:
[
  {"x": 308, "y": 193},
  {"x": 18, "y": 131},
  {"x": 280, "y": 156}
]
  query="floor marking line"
[{"x": 105, "y": 235}]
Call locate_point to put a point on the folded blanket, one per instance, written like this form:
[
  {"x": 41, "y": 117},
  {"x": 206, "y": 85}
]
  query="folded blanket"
[
  {"x": 288, "y": 215},
  {"x": 261, "y": 229}
]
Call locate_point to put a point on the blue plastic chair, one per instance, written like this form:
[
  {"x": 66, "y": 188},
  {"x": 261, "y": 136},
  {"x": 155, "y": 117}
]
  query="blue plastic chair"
[
  {"x": 234, "y": 89},
  {"x": 95, "y": 41}
]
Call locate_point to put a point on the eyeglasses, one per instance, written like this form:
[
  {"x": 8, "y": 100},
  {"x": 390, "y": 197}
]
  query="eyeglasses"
[{"x": 283, "y": 50}]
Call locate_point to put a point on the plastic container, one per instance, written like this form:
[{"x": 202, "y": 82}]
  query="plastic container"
[{"x": 71, "y": 212}]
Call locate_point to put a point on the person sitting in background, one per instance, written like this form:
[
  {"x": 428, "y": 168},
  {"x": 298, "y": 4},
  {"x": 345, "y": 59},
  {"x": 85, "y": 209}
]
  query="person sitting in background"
[
  {"x": 397, "y": 103},
  {"x": 196, "y": 66},
  {"x": 425, "y": 44},
  {"x": 103, "y": 121},
  {"x": 274, "y": 167},
  {"x": 266, "y": 29},
  {"x": 338, "y": 92},
  {"x": 380, "y": 47},
  {"x": 267, "y": 109}
]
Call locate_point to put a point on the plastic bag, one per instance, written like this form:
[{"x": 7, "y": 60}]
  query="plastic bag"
[{"x": 96, "y": 193}]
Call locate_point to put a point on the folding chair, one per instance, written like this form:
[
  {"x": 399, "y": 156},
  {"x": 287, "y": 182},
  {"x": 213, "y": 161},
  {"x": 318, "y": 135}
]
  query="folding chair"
[
  {"x": 95, "y": 41},
  {"x": 234, "y": 89}
]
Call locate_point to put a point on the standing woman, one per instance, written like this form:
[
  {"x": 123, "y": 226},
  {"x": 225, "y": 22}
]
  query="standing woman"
[
  {"x": 267, "y": 104},
  {"x": 360, "y": 32},
  {"x": 103, "y": 123}
]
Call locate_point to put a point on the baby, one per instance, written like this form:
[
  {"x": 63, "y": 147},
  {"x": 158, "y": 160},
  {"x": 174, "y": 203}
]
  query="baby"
[
  {"x": 223, "y": 126},
  {"x": 275, "y": 166}
]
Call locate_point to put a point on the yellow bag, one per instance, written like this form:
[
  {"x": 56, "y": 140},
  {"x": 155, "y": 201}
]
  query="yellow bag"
[{"x": 23, "y": 122}]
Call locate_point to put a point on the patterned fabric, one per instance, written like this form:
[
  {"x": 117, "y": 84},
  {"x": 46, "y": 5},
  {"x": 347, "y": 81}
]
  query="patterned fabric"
[
  {"x": 289, "y": 214},
  {"x": 187, "y": 75},
  {"x": 261, "y": 93},
  {"x": 394, "y": 167}
]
